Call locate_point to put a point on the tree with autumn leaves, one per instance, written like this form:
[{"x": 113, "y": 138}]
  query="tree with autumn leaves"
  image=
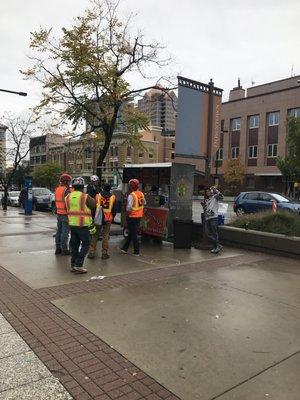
[
  {"x": 234, "y": 173},
  {"x": 85, "y": 73}
]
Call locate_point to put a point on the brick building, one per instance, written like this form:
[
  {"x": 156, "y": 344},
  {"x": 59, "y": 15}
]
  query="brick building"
[
  {"x": 40, "y": 147},
  {"x": 79, "y": 156},
  {"x": 253, "y": 129}
]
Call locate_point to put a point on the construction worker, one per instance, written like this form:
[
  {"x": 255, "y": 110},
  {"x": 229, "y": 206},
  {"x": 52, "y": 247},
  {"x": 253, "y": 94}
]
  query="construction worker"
[
  {"x": 62, "y": 231},
  {"x": 107, "y": 202},
  {"x": 79, "y": 207},
  {"x": 135, "y": 211},
  {"x": 93, "y": 188}
]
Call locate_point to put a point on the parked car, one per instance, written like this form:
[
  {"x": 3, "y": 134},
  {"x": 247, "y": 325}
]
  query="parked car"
[
  {"x": 41, "y": 198},
  {"x": 13, "y": 198},
  {"x": 251, "y": 202}
]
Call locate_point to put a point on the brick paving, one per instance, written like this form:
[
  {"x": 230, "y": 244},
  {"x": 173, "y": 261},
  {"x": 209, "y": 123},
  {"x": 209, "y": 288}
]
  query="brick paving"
[{"x": 86, "y": 366}]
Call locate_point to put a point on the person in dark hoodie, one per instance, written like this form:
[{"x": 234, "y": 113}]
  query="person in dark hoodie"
[{"x": 107, "y": 201}]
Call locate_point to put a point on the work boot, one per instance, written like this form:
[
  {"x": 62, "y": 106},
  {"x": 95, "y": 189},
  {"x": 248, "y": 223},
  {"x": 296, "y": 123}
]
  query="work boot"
[
  {"x": 217, "y": 249},
  {"x": 65, "y": 252},
  {"x": 80, "y": 270},
  {"x": 57, "y": 251},
  {"x": 105, "y": 257}
]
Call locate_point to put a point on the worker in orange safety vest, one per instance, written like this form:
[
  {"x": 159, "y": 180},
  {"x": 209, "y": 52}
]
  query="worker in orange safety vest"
[
  {"x": 134, "y": 212},
  {"x": 62, "y": 231},
  {"x": 106, "y": 204}
]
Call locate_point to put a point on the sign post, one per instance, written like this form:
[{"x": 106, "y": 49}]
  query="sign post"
[{"x": 28, "y": 195}]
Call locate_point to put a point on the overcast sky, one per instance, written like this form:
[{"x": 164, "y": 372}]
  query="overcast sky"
[{"x": 256, "y": 40}]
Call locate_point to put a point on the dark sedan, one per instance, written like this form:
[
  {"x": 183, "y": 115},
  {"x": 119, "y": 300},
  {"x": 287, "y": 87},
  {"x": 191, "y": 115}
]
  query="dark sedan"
[{"x": 251, "y": 202}]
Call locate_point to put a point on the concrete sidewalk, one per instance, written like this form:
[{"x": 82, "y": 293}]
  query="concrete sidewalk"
[{"x": 171, "y": 324}]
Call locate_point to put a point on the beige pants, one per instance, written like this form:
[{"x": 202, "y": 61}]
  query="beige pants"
[{"x": 103, "y": 230}]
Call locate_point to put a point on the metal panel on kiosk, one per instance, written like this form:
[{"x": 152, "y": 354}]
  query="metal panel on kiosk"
[
  {"x": 181, "y": 193},
  {"x": 28, "y": 195}
]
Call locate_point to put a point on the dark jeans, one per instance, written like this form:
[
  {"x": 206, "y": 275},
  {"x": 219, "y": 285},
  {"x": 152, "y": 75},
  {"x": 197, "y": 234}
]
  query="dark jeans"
[
  {"x": 211, "y": 230},
  {"x": 133, "y": 226},
  {"x": 79, "y": 236},
  {"x": 62, "y": 232}
]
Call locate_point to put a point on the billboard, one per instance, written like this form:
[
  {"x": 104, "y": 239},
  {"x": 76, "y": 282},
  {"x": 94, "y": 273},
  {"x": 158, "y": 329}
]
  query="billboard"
[{"x": 198, "y": 121}]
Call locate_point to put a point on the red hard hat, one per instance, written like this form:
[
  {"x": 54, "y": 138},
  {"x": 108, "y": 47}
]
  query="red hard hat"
[
  {"x": 65, "y": 178},
  {"x": 134, "y": 183}
]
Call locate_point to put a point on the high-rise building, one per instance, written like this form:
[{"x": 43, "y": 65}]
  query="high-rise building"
[
  {"x": 2, "y": 148},
  {"x": 160, "y": 107}
]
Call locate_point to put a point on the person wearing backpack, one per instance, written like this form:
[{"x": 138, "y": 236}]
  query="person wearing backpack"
[{"x": 106, "y": 205}]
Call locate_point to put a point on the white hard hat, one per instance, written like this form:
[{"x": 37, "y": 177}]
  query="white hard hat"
[
  {"x": 94, "y": 178},
  {"x": 79, "y": 181}
]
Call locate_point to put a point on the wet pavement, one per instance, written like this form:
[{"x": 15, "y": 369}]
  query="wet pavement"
[{"x": 221, "y": 327}]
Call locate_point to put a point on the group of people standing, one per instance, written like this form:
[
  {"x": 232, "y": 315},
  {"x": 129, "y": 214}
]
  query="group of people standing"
[{"x": 89, "y": 215}]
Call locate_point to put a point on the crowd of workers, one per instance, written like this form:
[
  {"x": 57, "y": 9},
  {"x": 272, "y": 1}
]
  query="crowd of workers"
[{"x": 87, "y": 215}]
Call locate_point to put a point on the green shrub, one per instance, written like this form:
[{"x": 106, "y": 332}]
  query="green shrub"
[{"x": 282, "y": 222}]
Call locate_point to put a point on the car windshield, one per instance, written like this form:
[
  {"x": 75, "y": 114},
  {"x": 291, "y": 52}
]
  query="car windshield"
[
  {"x": 41, "y": 192},
  {"x": 14, "y": 194},
  {"x": 280, "y": 198}
]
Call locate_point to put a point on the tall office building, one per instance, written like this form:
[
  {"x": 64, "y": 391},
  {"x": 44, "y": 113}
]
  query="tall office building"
[
  {"x": 160, "y": 107},
  {"x": 2, "y": 148}
]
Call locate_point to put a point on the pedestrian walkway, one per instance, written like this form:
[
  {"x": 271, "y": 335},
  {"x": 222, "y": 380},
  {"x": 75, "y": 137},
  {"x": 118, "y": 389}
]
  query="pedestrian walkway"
[
  {"x": 169, "y": 325},
  {"x": 23, "y": 375}
]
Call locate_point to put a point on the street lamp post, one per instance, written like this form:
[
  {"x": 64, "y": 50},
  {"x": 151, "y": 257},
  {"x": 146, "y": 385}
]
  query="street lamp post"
[
  {"x": 13, "y": 92},
  {"x": 216, "y": 178}
]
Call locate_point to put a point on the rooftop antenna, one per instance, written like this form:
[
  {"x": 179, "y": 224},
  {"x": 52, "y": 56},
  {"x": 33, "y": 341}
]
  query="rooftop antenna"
[
  {"x": 239, "y": 83},
  {"x": 292, "y": 71},
  {"x": 252, "y": 82}
]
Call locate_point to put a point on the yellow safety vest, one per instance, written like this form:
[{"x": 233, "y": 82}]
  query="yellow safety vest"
[{"x": 78, "y": 212}]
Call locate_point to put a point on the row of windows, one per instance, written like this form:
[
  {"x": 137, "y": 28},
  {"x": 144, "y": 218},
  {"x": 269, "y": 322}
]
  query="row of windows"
[
  {"x": 37, "y": 160},
  {"x": 254, "y": 120},
  {"x": 252, "y": 152}
]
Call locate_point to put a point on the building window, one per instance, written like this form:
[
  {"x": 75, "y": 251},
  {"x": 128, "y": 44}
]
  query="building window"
[
  {"x": 252, "y": 152},
  {"x": 235, "y": 152},
  {"x": 273, "y": 118},
  {"x": 173, "y": 155},
  {"x": 173, "y": 145},
  {"x": 141, "y": 154},
  {"x": 272, "y": 150},
  {"x": 88, "y": 152},
  {"x": 112, "y": 151},
  {"x": 294, "y": 112},
  {"x": 104, "y": 167},
  {"x": 222, "y": 125},
  {"x": 254, "y": 121},
  {"x": 219, "y": 154},
  {"x": 236, "y": 124},
  {"x": 116, "y": 151},
  {"x": 128, "y": 151},
  {"x": 150, "y": 155},
  {"x": 111, "y": 165}
]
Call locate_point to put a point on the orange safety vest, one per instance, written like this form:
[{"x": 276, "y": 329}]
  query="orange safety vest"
[
  {"x": 138, "y": 205},
  {"x": 60, "y": 204},
  {"x": 107, "y": 204},
  {"x": 78, "y": 212}
]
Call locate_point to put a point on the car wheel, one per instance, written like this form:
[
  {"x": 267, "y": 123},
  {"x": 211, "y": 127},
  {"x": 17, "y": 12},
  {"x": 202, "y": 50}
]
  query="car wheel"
[
  {"x": 240, "y": 211},
  {"x": 125, "y": 233}
]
